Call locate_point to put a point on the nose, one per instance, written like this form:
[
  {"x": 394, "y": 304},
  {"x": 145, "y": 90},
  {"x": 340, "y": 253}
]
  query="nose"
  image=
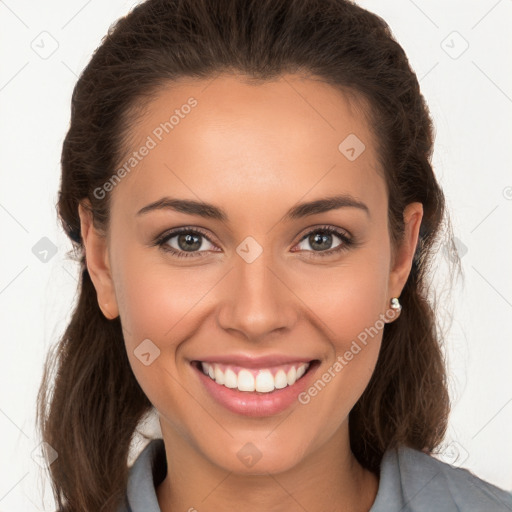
[{"x": 257, "y": 299}]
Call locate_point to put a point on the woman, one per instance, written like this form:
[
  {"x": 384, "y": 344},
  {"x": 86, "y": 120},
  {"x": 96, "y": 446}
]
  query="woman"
[{"x": 249, "y": 191}]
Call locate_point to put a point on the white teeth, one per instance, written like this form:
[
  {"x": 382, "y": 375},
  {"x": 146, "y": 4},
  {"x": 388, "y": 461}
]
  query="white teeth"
[
  {"x": 291, "y": 376},
  {"x": 264, "y": 381},
  {"x": 261, "y": 380},
  {"x": 245, "y": 381},
  {"x": 230, "y": 380},
  {"x": 280, "y": 380},
  {"x": 219, "y": 376}
]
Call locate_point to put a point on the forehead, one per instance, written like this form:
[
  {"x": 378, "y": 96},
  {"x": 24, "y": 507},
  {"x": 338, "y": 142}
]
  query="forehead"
[{"x": 220, "y": 139}]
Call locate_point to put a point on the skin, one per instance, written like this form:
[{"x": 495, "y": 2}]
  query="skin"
[{"x": 255, "y": 151}]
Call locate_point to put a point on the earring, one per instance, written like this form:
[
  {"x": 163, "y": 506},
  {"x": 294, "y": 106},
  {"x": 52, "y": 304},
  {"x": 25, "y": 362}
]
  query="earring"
[
  {"x": 394, "y": 312},
  {"x": 395, "y": 304}
]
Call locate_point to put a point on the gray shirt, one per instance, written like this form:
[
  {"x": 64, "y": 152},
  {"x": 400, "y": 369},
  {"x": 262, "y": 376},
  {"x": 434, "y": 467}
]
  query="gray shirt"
[{"x": 410, "y": 481}]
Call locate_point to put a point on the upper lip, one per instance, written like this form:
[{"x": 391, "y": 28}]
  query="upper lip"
[{"x": 248, "y": 361}]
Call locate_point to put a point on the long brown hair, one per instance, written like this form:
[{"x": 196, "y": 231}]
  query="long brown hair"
[{"x": 89, "y": 403}]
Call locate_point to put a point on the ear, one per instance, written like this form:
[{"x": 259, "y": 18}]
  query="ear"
[
  {"x": 404, "y": 253},
  {"x": 97, "y": 261}
]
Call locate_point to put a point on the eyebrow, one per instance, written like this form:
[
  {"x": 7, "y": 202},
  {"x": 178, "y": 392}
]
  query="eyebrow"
[{"x": 210, "y": 211}]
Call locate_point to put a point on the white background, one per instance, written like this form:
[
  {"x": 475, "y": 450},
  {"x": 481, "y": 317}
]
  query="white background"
[{"x": 470, "y": 97}]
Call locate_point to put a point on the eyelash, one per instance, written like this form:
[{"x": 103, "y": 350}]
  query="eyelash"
[{"x": 346, "y": 244}]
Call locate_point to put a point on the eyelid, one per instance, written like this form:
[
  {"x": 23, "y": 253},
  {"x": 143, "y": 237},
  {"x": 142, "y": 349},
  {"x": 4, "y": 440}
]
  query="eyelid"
[{"x": 326, "y": 227}]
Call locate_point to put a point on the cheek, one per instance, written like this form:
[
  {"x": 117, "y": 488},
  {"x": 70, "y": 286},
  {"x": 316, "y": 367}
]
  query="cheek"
[
  {"x": 154, "y": 299},
  {"x": 349, "y": 304},
  {"x": 159, "y": 303},
  {"x": 349, "y": 298}
]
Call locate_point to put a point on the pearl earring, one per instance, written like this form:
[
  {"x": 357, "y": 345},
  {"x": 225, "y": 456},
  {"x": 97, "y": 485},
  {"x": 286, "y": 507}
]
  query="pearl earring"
[{"x": 395, "y": 304}]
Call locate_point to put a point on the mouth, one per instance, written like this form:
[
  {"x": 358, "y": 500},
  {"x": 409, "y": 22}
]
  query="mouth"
[{"x": 255, "y": 392}]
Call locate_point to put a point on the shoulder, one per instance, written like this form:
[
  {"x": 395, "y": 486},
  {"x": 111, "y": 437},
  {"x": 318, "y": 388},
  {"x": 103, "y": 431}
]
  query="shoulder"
[
  {"x": 410, "y": 481},
  {"x": 418, "y": 482},
  {"x": 146, "y": 473}
]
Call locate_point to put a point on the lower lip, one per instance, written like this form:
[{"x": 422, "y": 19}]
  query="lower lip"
[{"x": 254, "y": 403}]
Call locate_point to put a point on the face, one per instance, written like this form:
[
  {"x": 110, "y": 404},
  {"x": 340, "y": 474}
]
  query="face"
[{"x": 254, "y": 274}]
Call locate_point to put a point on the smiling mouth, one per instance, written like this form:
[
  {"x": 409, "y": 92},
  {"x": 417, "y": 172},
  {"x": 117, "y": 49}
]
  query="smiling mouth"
[{"x": 261, "y": 380}]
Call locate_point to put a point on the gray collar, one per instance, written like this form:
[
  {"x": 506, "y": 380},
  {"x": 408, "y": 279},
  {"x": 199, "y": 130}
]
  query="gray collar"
[{"x": 410, "y": 481}]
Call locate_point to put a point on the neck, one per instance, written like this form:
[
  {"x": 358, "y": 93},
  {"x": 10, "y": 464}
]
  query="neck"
[{"x": 330, "y": 479}]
